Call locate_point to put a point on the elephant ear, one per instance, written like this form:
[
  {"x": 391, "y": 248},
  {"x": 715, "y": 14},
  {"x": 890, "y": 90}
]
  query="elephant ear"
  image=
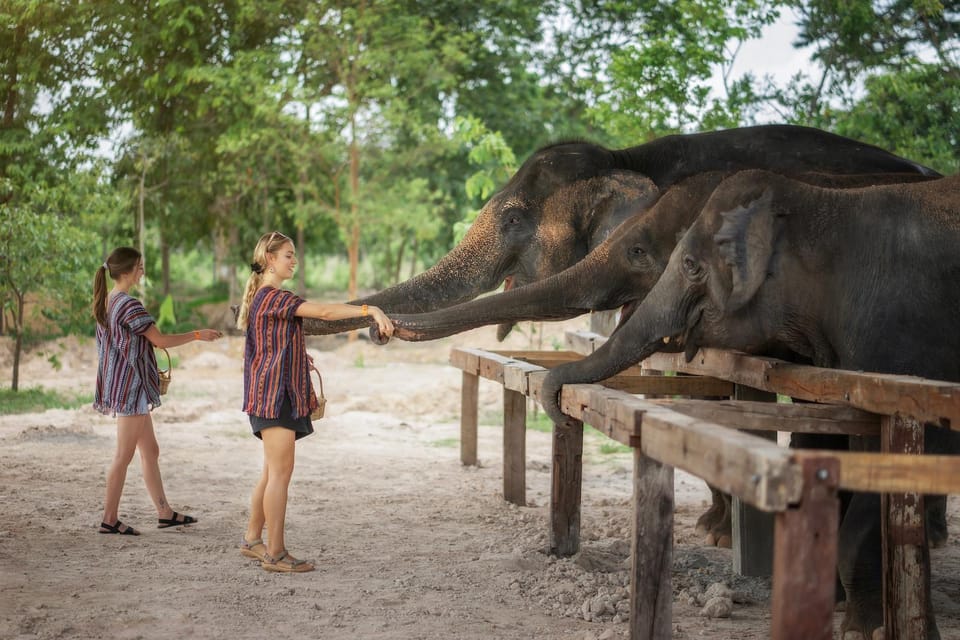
[{"x": 745, "y": 242}]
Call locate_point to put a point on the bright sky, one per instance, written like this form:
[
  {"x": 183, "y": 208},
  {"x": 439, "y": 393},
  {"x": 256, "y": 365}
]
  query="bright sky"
[{"x": 774, "y": 53}]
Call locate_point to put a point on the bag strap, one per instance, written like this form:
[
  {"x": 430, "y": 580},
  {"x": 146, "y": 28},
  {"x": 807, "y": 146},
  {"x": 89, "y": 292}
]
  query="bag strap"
[
  {"x": 169, "y": 369},
  {"x": 320, "y": 378}
]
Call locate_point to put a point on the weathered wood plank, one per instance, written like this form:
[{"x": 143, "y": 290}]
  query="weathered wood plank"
[
  {"x": 551, "y": 358},
  {"x": 768, "y": 416},
  {"x": 469, "y": 394},
  {"x": 805, "y": 557},
  {"x": 637, "y": 382},
  {"x": 515, "y": 375},
  {"x": 906, "y": 577},
  {"x": 466, "y": 359},
  {"x": 918, "y": 398},
  {"x": 566, "y": 474},
  {"x": 895, "y": 473},
  {"x": 514, "y": 447},
  {"x": 651, "y": 550}
]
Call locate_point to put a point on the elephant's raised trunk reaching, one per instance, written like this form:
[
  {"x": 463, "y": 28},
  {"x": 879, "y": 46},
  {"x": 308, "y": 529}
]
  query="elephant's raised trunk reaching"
[
  {"x": 465, "y": 272},
  {"x": 640, "y": 337},
  {"x": 559, "y": 297}
]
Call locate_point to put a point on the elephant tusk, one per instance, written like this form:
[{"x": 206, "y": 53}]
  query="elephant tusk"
[{"x": 666, "y": 339}]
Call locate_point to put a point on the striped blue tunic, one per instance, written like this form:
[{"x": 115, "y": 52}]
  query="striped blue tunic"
[
  {"x": 275, "y": 356},
  {"x": 127, "y": 379}
]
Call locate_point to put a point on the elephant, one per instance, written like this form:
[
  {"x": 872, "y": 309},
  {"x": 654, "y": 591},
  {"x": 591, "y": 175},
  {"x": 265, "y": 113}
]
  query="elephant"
[
  {"x": 860, "y": 279},
  {"x": 618, "y": 273},
  {"x": 567, "y": 197}
]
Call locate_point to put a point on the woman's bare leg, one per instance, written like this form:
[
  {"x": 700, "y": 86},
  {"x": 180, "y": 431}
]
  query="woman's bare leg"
[
  {"x": 127, "y": 437},
  {"x": 257, "y": 518},
  {"x": 150, "y": 464},
  {"x": 278, "y": 453}
]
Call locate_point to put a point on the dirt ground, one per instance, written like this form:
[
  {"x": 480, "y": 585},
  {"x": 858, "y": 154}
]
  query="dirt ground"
[{"x": 408, "y": 543}]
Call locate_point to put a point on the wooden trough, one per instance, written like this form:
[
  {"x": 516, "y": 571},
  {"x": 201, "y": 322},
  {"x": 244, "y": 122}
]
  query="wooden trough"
[{"x": 699, "y": 432}]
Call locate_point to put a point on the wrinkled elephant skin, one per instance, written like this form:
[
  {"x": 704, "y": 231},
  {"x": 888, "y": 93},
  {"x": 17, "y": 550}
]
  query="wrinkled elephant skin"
[
  {"x": 567, "y": 197},
  {"x": 863, "y": 279}
]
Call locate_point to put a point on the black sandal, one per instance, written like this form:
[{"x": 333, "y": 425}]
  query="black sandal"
[
  {"x": 163, "y": 523},
  {"x": 115, "y": 528}
]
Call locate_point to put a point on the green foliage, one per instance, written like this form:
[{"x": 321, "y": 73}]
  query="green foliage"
[
  {"x": 446, "y": 443},
  {"x": 166, "y": 319},
  {"x": 495, "y": 162},
  {"x": 38, "y": 399}
]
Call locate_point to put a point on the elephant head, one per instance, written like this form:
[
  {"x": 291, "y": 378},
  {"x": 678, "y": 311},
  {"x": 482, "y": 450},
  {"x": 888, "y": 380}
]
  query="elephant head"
[
  {"x": 567, "y": 197},
  {"x": 778, "y": 267},
  {"x": 618, "y": 273}
]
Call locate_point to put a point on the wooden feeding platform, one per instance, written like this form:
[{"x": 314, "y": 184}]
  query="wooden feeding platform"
[{"x": 697, "y": 423}]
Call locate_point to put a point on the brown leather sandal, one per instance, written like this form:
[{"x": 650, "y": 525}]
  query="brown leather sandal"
[{"x": 285, "y": 563}]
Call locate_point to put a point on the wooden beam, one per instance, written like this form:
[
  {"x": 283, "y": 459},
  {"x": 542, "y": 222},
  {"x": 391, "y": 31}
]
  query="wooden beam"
[
  {"x": 780, "y": 416},
  {"x": 514, "y": 447},
  {"x": 805, "y": 557},
  {"x": 894, "y": 472},
  {"x": 636, "y": 382},
  {"x": 651, "y": 550},
  {"x": 906, "y": 555},
  {"x": 886, "y": 394},
  {"x": 469, "y": 394},
  {"x": 566, "y": 475}
]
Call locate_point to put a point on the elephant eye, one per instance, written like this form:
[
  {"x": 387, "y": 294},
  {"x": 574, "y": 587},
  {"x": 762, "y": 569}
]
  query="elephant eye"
[
  {"x": 636, "y": 251},
  {"x": 691, "y": 267}
]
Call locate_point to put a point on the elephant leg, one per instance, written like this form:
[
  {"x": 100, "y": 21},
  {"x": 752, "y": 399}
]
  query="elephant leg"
[
  {"x": 721, "y": 534},
  {"x": 935, "y": 510},
  {"x": 712, "y": 517},
  {"x": 860, "y": 564}
]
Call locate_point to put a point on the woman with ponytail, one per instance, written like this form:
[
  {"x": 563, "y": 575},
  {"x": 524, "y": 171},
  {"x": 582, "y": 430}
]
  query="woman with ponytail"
[
  {"x": 128, "y": 384},
  {"x": 277, "y": 392}
]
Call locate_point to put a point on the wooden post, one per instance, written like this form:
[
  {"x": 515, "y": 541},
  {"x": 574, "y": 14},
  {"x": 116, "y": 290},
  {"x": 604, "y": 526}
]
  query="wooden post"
[
  {"x": 752, "y": 530},
  {"x": 805, "y": 557},
  {"x": 565, "y": 487},
  {"x": 469, "y": 393},
  {"x": 514, "y": 447},
  {"x": 906, "y": 556},
  {"x": 651, "y": 550}
]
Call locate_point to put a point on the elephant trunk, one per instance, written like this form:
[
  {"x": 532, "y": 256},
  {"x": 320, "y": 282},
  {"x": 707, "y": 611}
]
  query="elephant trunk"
[
  {"x": 469, "y": 269},
  {"x": 559, "y": 297},
  {"x": 648, "y": 330}
]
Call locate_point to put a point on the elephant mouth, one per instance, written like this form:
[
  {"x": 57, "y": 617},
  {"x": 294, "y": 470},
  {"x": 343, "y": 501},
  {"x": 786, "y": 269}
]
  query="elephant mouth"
[{"x": 688, "y": 340}]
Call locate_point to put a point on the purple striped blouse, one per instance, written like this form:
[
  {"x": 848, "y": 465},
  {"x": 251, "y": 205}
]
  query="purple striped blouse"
[
  {"x": 275, "y": 356},
  {"x": 127, "y": 380}
]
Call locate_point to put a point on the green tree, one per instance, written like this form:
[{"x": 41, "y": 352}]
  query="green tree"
[{"x": 44, "y": 256}]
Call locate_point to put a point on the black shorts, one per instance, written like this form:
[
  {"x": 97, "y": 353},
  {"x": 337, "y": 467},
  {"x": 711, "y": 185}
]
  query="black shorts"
[{"x": 302, "y": 426}]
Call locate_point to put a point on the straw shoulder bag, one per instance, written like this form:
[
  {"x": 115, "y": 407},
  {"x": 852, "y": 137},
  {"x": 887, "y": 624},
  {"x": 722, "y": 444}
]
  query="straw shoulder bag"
[
  {"x": 317, "y": 413},
  {"x": 165, "y": 374}
]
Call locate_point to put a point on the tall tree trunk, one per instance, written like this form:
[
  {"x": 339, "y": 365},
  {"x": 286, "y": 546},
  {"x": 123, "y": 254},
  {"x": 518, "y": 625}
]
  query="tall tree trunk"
[
  {"x": 353, "y": 250},
  {"x": 18, "y": 341}
]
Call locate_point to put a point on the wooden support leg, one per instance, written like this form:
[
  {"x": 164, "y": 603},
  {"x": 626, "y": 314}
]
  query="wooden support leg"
[
  {"x": 752, "y": 529},
  {"x": 565, "y": 491},
  {"x": 651, "y": 550},
  {"x": 514, "y": 447},
  {"x": 469, "y": 393},
  {"x": 805, "y": 557},
  {"x": 906, "y": 557}
]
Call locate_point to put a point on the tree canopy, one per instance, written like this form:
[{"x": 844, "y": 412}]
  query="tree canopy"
[{"x": 374, "y": 128}]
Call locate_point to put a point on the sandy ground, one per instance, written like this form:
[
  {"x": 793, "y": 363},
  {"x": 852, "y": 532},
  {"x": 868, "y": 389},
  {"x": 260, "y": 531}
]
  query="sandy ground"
[{"x": 408, "y": 543}]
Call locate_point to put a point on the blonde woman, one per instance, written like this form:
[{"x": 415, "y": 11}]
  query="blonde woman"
[
  {"x": 128, "y": 385},
  {"x": 277, "y": 392}
]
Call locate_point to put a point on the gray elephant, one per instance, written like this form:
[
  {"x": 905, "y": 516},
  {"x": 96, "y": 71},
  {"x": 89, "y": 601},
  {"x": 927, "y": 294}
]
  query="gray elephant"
[
  {"x": 620, "y": 273},
  {"x": 567, "y": 197},
  {"x": 863, "y": 279}
]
